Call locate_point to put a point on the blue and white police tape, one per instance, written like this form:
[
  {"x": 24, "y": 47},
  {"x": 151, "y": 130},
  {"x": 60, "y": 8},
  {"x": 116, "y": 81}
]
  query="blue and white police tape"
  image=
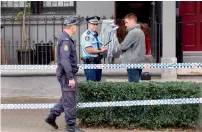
[
  {"x": 109, "y": 104},
  {"x": 106, "y": 66}
]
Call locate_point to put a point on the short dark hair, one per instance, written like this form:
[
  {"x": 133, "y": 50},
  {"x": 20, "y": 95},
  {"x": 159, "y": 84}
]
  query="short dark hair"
[{"x": 131, "y": 16}]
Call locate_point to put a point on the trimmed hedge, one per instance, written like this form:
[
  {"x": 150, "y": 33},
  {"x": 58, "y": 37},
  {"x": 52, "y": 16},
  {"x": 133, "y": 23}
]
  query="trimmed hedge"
[{"x": 152, "y": 117}]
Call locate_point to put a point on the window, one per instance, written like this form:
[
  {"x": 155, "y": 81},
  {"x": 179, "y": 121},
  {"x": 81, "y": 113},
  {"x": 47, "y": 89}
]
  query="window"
[
  {"x": 12, "y": 4},
  {"x": 11, "y": 7},
  {"x": 58, "y": 3},
  {"x": 40, "y": 7},
  {"x": 59, "y": 7}
]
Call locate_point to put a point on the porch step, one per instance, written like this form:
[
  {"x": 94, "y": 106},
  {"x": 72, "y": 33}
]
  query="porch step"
[
  {"x": 188, "y": 57},
  {"x": 192, "y": 59},
  {"x": 192, "y": 53},
  {"x": 148, "y": 59},
  {"x": 192, "y": 56}
]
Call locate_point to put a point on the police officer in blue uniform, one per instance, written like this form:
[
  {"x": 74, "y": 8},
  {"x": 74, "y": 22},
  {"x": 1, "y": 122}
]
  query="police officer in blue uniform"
[
  {"x": 92, "y": 48},
  {"x": 66, "y": 75}
]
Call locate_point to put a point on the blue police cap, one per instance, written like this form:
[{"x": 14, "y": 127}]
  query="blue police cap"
[
  {"x": 93, "y": 20},
  {"x": 70, "y": 21}
]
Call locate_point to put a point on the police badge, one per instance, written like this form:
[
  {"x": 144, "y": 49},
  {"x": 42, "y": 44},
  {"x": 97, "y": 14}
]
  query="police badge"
[
  {"x": 66, "y": 48},
  {"x": 93, "y": 40},
  {"x": 87, "y": 38}
]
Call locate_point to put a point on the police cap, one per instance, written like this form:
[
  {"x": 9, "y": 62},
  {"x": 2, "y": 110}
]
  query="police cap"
[
  {"x": 93, "y": 20},
  {"x": 70, "y": 21}
]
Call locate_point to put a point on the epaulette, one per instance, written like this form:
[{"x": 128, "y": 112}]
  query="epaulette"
[{"x": 65, "y": 39}]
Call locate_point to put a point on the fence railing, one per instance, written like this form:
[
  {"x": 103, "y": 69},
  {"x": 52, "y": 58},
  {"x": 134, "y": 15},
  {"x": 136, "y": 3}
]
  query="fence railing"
[
  {"x": 40, "y": 47},
  {"x": 41, "y": 44}
]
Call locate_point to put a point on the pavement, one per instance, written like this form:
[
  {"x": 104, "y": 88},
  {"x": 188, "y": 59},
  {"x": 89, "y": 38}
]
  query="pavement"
[{"x": 33, "y": 121}]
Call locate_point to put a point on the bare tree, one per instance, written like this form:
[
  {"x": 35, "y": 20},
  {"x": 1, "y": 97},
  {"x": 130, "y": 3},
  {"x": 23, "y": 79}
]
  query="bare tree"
[{"x": 21, "y": 15}]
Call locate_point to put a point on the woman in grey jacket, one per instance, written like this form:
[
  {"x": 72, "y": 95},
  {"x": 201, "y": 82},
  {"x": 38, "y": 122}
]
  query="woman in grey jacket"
[{"x": 133, "y": 47}]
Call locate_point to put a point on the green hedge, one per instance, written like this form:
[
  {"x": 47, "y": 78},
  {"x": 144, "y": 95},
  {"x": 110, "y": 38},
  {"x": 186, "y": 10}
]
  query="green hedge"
[{"x": 152, "y": 117}]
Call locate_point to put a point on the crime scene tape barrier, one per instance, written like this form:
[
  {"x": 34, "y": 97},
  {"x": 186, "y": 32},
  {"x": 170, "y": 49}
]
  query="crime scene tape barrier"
[
  {"x": 109, "y": 104},
  {"x": 106, "y": 66}
]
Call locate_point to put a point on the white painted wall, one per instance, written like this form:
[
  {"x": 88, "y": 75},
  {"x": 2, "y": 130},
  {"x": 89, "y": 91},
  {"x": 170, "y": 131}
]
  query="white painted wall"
[{"x": 100, "y": 8}]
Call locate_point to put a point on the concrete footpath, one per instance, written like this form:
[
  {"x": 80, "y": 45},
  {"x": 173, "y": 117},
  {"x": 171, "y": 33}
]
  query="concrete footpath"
[{"x": 32, "y": 121}]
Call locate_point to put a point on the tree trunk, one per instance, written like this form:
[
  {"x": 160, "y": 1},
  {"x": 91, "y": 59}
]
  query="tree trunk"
[{"x": 23, "y": 27}]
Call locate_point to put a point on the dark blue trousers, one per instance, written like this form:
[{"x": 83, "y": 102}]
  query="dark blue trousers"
[
  {"x": 93, "y": 74},
  {"x": 67, "y": 102},
  {"x": 134, "y": 75}
]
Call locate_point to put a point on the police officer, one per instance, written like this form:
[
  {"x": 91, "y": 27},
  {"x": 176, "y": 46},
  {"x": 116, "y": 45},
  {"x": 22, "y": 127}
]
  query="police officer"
[
  {"x": 92, "y": 48},
  {"x": 66, "y": 75}
]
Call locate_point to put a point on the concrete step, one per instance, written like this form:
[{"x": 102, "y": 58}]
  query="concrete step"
[
  {"x": 148, "y": 59},
  {"x": 192, "y": 53},
  {"x": 187, "y": 58},
  {"x": 192, "y": 56},
  {"x": 192, "y": 59}
]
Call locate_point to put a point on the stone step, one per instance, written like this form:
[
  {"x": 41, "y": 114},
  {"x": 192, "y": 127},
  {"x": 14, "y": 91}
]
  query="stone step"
[
  {"x": 187, "y": 58},
  {"x": 192, "y": 53},
  {"x": 192, "y": 59}
]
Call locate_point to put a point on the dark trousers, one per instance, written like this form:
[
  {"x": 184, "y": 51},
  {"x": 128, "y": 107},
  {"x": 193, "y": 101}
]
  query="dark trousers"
[
  {"x": 93, "y": 74},
  {"x": 134, "y": 75},
  {"x": 67, "y": 102}
]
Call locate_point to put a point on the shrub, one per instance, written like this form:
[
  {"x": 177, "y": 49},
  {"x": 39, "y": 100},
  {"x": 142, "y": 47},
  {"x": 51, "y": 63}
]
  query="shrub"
[{"x": 152, "y": 116}]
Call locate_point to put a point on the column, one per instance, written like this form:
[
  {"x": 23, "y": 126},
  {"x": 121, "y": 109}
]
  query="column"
[{"x": 169, "y": 39}]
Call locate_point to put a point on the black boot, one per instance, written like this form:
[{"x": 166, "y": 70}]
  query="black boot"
[
  {"x": 51, "y": 120},
  {"x": 72, "y": 128}
]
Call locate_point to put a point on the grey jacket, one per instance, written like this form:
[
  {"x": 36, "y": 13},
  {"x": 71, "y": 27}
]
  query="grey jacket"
[{"x": 133, "y": 46}]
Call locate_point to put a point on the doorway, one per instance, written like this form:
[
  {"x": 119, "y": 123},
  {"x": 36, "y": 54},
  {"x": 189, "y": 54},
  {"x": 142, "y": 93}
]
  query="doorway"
[
  {"x": 148, "y": 13},
  {"x": 143, "y": 11}
]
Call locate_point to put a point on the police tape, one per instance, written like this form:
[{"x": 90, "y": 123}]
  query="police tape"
[
  {"x": 109, "y": 104},
  {"x": 106, "y": 66}
]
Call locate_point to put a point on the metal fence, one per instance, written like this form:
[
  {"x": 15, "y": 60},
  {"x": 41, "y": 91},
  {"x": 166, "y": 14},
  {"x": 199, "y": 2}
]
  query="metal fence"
[
  {"x": 42, "y": 31},
  {"x": 43, "y": 25},
  {"x": 40, "y": 46}
]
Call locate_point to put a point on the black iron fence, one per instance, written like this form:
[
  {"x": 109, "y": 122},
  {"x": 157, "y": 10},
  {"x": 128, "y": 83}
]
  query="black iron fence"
[
  {"x": 40, "y": 41},
  {"x": 42, "y": 31},
  {"x": 40, "y": 46}
]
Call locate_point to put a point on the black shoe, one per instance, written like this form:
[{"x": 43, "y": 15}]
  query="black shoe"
[
  {"x": 51, "y": 120},
  {"x": 73, "y": 129}
]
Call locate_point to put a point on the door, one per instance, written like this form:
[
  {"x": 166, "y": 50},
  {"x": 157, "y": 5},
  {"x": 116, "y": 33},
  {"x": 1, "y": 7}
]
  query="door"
[{"x": 191, "y": 14}]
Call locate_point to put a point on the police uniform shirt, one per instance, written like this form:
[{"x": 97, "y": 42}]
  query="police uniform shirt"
[
  {"x": 67, "y": 56},
  {"x": 88, "y": 39}
]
